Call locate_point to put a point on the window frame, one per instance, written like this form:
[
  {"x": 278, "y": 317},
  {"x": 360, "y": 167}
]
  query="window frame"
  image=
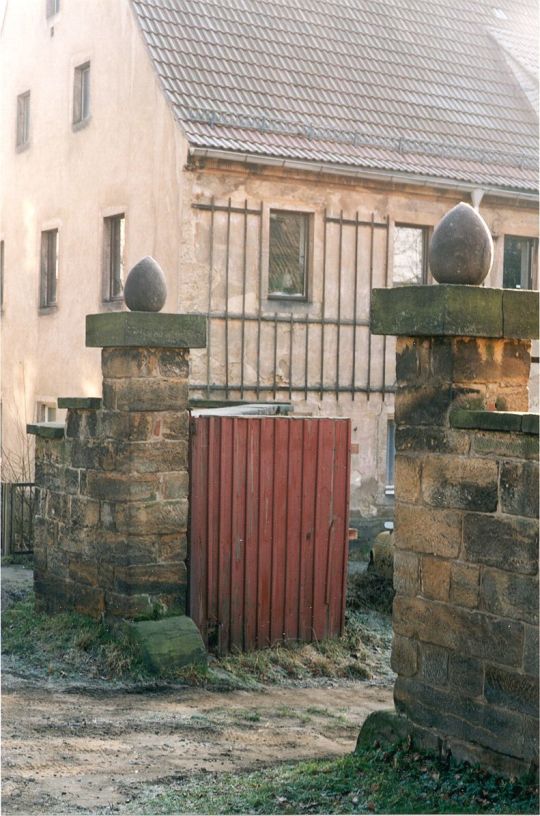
[
  {"x": 52, "y": 7},
  {"x": 43, "y": 407},
  {"x": 81, "y": 80},
  {"x": 109, "y": 226},
  {"x": 307, "y": 261},
  {"x": 426, "y": 231},
  {"x": 389, "y": 489},
  {"x": 48, "y": 272},
  {"x": 532, "y": 271},
  {"x": 22, "y": 130}
]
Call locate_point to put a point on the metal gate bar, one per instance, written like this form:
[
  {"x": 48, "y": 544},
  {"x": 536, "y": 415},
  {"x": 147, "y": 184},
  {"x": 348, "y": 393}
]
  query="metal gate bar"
[{"x": 246, "y": 270}]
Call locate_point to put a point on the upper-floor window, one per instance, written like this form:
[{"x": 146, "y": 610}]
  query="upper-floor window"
[
  {"x": 410, "y": 255},
  {"x": 81, "y": 93},
  {"x": 289, "y": 250},
  {"x": 52, "y": 7},
  {"x": 49, "y": 268},
  {"x": 23, "y": 119},
  {"x": 113, "y": 257},
  {"x": 520, "y": 263}
]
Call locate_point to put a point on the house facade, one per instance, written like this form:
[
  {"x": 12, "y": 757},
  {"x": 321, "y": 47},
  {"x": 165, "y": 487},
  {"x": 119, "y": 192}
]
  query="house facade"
[{"x": 278, "y": 164}]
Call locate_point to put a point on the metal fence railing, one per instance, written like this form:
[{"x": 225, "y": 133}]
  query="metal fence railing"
[{"x": 17, "y": 502}]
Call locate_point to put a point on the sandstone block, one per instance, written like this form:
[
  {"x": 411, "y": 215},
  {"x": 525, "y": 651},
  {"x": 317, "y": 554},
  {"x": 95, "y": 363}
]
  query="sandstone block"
[
  {"x": 453, "y": 481},
  {"x": 464, "y": 718},
  {"x": 118, "y": 605},
  {"x": 149, "y": 518},
  {"x": 129, "y": 362},
  {"x": 152, "y": 457},
  {"x": 501, "y": 541},
  {"x": 407, "y": 478},
  {"x": 150, "y": 578},
  {"x": 436, "y": 440},
  {"x": 404, "y": 658},
  {"x": 467, "y": 632},
  {"x": 145, "y": 395},
  {"x": 519, "y": 446},
  {"x": 530, "y": 651},
  {"x": 169, "y": 644},
  {"x": 466, "y": 674},
  {"x": 113, "y": 486},
  {"x": 406, "y": 572},
  {"x": 423, "y": 405},
  {"x": 509, "y": 595},
  {"x": 83, "y": 512},
  {"x": 484, "y": 360},
  {"x": 433, "y": 664},
  {"x": 510, "y": 689},
  {"x": 57, "y": 506},
  {"x": 174, "y": 485},
  {"x": 435, "y": 578},
  {"x": 464, "y": 584},
  {"x": 519, "y": 488},
  {"x": 83, "y": 572},
  {"x": 427, "y": 530}
]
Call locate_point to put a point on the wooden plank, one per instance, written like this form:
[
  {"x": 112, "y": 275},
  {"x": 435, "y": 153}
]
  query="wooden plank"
[
  {"x": 323, "y": 524},
  {"x": 279, "y": 538},
  {"x": 224, "y": 536},
  {"x": 198, "y": 537},
  {"x": 266, "y": 498},
  {"x": 309, "y": 467},
  {"x": 212, "y": 544},
  {"x": 292, "y": 556},
  {"x": 340, "y": 534},
  {"x": 252, "y": 534},
  {"x": 238, "y": 538}
]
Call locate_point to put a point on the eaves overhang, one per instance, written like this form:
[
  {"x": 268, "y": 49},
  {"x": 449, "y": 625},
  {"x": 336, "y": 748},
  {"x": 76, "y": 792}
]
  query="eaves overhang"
[{"x": 386, "y": 176}]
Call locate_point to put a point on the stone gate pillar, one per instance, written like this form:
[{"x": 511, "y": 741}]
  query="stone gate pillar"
[
  {"x": 465, "y": 615},
  {"x": 113, "y": 482}
]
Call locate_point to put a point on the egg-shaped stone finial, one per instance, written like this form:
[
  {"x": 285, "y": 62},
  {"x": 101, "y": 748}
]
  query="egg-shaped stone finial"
[
  {"x": 461, "y": 248},
  {"x": 145, "y": 289}
]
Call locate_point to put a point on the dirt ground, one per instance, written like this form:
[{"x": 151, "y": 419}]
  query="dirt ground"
[{"x": 90, "y": 750}]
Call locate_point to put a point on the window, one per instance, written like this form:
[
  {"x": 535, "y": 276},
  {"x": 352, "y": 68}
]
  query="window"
[
  {"x": 113, "y": 257},
  {"x": 49, "y": 268},
  {"x": 46, "y": 412},
  {"x": 81, "y": 94},
  {"x": 288, "y": 254},
  {"x": 52, "y": 7},
  {"x": 410, "y": 255},
  {"x": 23, "y": 119},
  {"x": 390, "y": 456},
  {"x": 520, "y": 262}
]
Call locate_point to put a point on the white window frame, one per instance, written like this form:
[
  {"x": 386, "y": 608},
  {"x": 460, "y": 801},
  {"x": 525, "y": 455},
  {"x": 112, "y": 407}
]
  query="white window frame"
[
  {"x": 22, "y": 136},
  {"x": 81, "y": 94}
]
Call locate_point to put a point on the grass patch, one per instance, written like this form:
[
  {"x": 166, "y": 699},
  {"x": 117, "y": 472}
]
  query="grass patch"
[
  {"x": 69, "y": 644},
  {"x": 74, "y": 646},
  {"x": 360, "y": 654},
  {"x": 372, "y": 781},
  {"x": 368, "y": 590}
]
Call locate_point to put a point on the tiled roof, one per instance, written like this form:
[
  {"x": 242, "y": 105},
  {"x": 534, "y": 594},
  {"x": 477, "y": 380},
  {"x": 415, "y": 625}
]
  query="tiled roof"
[{"x": 430, "y": 87}]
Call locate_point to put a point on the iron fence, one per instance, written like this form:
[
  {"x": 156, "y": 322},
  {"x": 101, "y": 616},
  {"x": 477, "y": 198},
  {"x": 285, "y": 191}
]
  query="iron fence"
[{"x": 17, "y": 500}]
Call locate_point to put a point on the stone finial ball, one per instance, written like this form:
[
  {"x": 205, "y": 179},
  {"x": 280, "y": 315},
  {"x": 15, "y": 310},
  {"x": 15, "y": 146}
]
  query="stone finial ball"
[
  {"x": 461, "y": 248},
  {"x": 145, "y": 289}
]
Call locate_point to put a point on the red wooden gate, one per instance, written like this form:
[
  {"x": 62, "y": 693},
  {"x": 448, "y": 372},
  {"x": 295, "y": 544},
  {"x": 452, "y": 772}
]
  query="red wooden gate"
[{"x": 269, "y": 529}]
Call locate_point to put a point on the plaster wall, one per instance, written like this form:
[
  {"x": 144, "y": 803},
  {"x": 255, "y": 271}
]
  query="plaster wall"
[{"x": 127, "y": 158}]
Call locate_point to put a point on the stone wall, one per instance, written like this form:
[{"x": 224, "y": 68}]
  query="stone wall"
[
  {"x": 113, "y": 484},
  {"x": 466, "y": 577},
  {"x": 465, "y": 613}
]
